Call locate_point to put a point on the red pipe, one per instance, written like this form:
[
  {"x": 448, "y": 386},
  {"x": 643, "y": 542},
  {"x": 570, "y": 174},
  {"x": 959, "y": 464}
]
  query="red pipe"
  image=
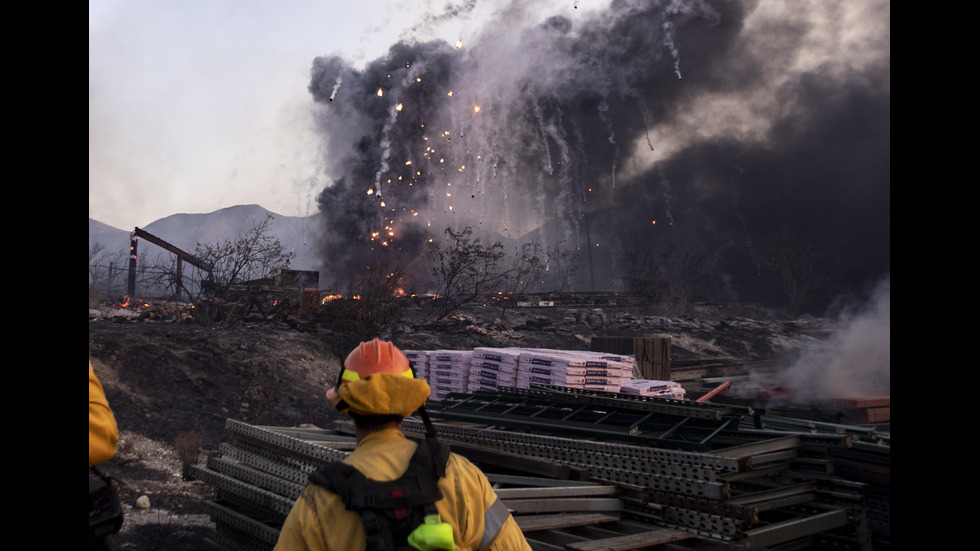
[{"x": 717, "y": 390}]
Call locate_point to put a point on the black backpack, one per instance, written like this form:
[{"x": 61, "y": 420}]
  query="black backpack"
[
  {"x": 105, "y": 516},
  {"x": 390, "y": 511}
]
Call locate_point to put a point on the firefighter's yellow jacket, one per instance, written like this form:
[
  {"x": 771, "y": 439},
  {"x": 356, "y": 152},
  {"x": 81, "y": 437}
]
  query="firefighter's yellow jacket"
[
  {"x": 319, "y": 521},
  {"x": 103, "y": 434}
]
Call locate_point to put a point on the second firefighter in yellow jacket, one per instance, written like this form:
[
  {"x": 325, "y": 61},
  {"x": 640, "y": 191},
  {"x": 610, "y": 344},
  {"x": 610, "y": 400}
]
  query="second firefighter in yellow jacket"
[
  {"x": 103, "y": 433},
  {"x": 377, "y": 389}
]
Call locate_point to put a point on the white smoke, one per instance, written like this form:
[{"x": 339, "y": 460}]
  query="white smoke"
[{"x": 854, "y": 362}]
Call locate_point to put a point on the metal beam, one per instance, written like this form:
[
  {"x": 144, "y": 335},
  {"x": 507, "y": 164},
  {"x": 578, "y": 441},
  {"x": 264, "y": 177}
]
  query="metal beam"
[
  {"x": 654, "y": 457},
  {"x": 254, "y": 530},
  {"x": 535, "y": 523},
  {"x": 632, "y": 541},
  {"x": 789, "y": 530}
]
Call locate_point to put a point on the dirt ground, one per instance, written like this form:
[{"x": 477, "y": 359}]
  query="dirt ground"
[{"x": 172, "y": 385}]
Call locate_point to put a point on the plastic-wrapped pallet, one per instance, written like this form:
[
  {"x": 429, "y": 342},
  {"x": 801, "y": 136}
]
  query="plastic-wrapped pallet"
[
  {"x": 558, "y": 377},
  {"x": 648, "y": 387},
  {"x": 486, "y": 379},
  {"x": 602, "y": 371},
  {"x": 576, "y": 369},
  {"x": 491, "y": 368},
  {"x": 448, "y": 371}
]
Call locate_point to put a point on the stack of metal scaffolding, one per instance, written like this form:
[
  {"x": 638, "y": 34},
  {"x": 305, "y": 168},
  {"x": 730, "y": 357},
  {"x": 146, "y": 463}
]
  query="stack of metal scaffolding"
[{"x": 591, "y": 470}]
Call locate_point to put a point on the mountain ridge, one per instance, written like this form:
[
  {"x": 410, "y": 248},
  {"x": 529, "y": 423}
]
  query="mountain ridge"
[{"x": 298, "y": 234}]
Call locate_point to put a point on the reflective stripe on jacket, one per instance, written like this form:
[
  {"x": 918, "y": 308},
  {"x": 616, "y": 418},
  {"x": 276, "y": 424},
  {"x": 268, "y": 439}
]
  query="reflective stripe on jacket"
[{"x": 319, "y": 521}]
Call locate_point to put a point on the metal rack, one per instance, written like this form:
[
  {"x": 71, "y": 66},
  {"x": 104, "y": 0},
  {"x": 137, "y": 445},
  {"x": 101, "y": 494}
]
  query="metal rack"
[{"x": 658, "y": 422}]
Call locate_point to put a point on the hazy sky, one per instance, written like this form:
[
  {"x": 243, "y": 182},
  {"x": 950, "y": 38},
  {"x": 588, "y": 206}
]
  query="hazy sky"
[{"x": 198, "y": 105}]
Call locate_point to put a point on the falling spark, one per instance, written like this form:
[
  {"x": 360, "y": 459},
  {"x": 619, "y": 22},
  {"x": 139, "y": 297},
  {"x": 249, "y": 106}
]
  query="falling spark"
[{"x": 380, "y": 93}]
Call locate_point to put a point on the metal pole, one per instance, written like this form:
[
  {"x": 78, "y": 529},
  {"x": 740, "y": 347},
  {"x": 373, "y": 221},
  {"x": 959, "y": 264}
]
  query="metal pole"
[
  {"x": 133, "y": 241},
  {"x": 718, "y": 390},
  {"x": 108, "y": 284}
]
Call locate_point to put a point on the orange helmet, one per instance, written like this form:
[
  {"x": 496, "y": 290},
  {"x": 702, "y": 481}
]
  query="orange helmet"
[{"x": 377, "y": 380}]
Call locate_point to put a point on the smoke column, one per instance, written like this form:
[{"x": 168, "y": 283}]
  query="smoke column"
[{"x": 562, "y": 128}]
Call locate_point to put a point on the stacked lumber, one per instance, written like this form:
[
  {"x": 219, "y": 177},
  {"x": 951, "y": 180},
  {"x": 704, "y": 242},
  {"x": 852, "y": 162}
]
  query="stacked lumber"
[{"x": 864, "y": 411}]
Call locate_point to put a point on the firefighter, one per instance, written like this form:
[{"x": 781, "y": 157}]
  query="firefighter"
[
  {"x": 392, "y": 492},
  {"x": 105, "y": 514},
  {"x": 103, "y": 434}
]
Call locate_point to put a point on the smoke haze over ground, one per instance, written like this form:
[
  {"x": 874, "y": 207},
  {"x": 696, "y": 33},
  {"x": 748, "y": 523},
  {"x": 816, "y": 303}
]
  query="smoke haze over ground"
[
  {"x": 708, "y": 126},
  {"x": 854, "y": 361}
]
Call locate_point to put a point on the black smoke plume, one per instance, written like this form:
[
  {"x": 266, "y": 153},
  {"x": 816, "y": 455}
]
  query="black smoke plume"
[{"x": 704, "y": 125}]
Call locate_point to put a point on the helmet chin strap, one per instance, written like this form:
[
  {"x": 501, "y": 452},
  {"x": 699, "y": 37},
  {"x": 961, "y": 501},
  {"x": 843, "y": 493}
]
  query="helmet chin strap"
[
  {"x": 340, "y": 377},
  {"x": 430, "y": 429}
]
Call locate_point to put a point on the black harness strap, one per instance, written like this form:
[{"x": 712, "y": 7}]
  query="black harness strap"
[{"x": 390, "y": 510}]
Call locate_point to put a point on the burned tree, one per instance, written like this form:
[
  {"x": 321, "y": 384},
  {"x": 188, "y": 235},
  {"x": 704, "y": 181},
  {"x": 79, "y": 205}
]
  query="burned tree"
[
  {"x": 466, "y": 271},
  {"x": 524, "y": 271},
  {"x": 562, "y": 265},
  {"x": 246, "y": 274},
  {"x": 369, "y": 308}
]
